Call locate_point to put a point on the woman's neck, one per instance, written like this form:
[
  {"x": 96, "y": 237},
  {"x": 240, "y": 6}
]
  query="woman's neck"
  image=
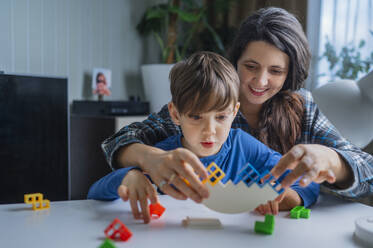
[{"x": 251, "y": 113}]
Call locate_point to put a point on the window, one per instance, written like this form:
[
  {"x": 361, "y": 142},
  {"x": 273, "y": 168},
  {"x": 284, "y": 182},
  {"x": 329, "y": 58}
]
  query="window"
[{"x": 342, "y": 23}]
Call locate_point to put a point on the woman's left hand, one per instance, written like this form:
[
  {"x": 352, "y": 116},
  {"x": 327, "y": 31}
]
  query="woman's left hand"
[{"x": 314, "y": 163}]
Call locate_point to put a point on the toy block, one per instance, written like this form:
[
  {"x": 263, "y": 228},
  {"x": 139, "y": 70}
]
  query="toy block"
[
  {"x": 274, "y": 186},
  {"x": 300, "y": 212},
  {"x": 295, "y": 212},
  {"x": 305, "y": 213},
  {"x": 117, "y": 230},
  {"x": 266, "y": 227},
  {"x": 37, "y": 201},
  {"x": 107, "y": 244},
  {"x": 215, "y": 174},
  {"x": 249, "y": 175},
  {"x": 202, "y": 223},
  {"x": 156, "y": 209}
]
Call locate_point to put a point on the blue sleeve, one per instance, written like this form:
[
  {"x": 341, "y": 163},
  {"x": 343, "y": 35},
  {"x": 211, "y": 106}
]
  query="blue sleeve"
[
  {"x": 308, "y": 194},
  {"x": 106, "y": 188}
]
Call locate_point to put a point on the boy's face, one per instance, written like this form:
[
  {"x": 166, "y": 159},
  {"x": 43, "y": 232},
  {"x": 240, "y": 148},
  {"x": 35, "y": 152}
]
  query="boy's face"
[{"x": 204, "y": 133}]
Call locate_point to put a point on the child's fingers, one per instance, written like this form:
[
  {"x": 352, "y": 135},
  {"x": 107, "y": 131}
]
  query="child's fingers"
[
  {"x": 267, "y": 208},
  {"x": 281, "y": 197},
  {"x": 133, "y": 202},
  {"x": 274, "y": 207},
  {"x": 144, "y": 207},
  {"x": 260, "y": 209},
  {"x": 123, "y": 192},
  {"x": 152, "y": 194}
]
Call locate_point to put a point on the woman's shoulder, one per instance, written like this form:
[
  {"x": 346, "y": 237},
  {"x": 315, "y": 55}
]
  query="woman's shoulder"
[
  {"x": 310, "y": 107},
  {"x": 306, "y": 95}
]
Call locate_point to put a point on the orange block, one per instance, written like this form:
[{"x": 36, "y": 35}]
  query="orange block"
[
  {"x": 117, "y": 230},
  {"x": 156, "y": 209}
]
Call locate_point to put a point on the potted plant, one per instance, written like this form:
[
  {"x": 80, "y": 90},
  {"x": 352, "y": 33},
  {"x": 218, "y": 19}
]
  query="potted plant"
[
  {"x": 349, "y": 63},
  {"x": 174, "y": 25}
]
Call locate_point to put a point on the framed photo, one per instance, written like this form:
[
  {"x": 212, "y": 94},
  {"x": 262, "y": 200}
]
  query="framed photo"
[{"x": 101, "y": 81}]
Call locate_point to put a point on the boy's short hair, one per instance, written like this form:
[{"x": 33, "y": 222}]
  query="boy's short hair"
[{"x": 204, "y": 82}]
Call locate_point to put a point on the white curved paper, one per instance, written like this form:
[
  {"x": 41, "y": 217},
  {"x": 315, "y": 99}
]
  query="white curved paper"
[{"x": 232, "y": 199}]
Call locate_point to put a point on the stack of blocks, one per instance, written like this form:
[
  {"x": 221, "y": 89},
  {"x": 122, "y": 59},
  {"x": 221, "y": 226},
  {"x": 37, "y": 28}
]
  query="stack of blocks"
[
  {"x": 267, "y": 226},
  {"x": 300, "y": 212},
  {"x": 249, "y": 175}
]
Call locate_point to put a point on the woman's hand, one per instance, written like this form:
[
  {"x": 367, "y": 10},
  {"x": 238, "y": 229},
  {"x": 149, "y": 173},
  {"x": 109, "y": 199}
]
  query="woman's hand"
[
  {"x": 315, "y": 163},
  {"x": 172, "y": 167},
  {"x": 169, "y": 167},
  {"x": 136, "y": 188}
]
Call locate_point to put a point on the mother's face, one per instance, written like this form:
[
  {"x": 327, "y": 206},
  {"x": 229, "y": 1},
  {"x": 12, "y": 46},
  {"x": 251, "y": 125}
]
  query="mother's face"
[{"x": 262, "y": 69}]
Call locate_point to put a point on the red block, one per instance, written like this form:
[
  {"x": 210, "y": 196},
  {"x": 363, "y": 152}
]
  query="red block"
[
  {"x": 156, "y": 209},
  {"x": 117, "y": 230}
]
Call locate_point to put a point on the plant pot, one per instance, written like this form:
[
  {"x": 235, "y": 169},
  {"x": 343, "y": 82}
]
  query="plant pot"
[{"x": 156, "y": 85}]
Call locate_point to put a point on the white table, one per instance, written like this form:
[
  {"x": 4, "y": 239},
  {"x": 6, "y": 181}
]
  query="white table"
[{"x": 82, "y": 223}]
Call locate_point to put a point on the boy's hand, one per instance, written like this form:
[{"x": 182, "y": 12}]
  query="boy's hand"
[
  {"x": 137, "y": 188},
  {"x": 286, "y": 201}
]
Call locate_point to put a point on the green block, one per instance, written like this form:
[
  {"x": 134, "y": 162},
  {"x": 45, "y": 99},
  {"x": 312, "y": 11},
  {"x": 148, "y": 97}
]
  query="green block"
[
  {"x": 300, "y": 212},
  {"x": 305, "y": 213},
  {"x": 269, "y": 219},
  {"x": 266, "y": 227},
  {"x": 107, "y": 244},
  {"x": 296, "y": 212}
]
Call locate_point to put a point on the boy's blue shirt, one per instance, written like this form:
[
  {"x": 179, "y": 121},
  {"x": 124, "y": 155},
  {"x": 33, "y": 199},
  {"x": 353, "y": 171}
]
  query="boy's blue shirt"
[{"x": 239, "y": 149}]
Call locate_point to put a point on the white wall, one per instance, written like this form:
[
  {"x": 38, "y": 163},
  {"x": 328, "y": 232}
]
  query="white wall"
[{"x": 70, "y": 37}]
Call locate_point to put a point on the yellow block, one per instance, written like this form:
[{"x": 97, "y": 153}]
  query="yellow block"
[
  {"x": 213, "y": 170},
  {"x": 37, "y": 201}
]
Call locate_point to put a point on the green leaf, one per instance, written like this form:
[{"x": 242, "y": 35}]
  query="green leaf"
[
  {"x": 186, "y": 16},
  {"x": 178, "y": 56},
  {"x": 216, "y": 37},
  {"x": 362, "y": 43}
]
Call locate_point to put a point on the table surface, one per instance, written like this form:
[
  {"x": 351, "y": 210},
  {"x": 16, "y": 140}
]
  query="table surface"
[{"x": 81, "y": 224}]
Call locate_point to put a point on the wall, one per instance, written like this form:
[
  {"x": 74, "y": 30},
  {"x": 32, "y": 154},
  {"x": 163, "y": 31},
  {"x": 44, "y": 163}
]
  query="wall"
[{"x": 70, "y": 37}]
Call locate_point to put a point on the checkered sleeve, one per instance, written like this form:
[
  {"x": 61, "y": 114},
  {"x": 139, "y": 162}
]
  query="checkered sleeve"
[
  {"x": 317, "y": 129},
  {"x": 155, "y": 128}
]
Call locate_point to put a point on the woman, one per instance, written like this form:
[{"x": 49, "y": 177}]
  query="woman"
[{"x": 272, "y": 57}]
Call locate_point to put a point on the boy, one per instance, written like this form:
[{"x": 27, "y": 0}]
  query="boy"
[{"x": 205, "y": 90}]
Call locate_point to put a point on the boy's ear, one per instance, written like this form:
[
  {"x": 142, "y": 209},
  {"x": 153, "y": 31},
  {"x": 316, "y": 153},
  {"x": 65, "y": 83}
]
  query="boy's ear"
[
  {"x": 236, "y": 108},
  {"x": 175, "y": 116}
]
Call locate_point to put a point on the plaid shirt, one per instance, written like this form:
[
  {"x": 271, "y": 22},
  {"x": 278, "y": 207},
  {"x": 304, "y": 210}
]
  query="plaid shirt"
[{"x": 316, "y": 129}]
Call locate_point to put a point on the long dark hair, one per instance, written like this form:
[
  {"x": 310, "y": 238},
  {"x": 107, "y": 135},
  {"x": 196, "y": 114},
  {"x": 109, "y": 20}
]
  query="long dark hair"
[{"x": 280, "y": 118}]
